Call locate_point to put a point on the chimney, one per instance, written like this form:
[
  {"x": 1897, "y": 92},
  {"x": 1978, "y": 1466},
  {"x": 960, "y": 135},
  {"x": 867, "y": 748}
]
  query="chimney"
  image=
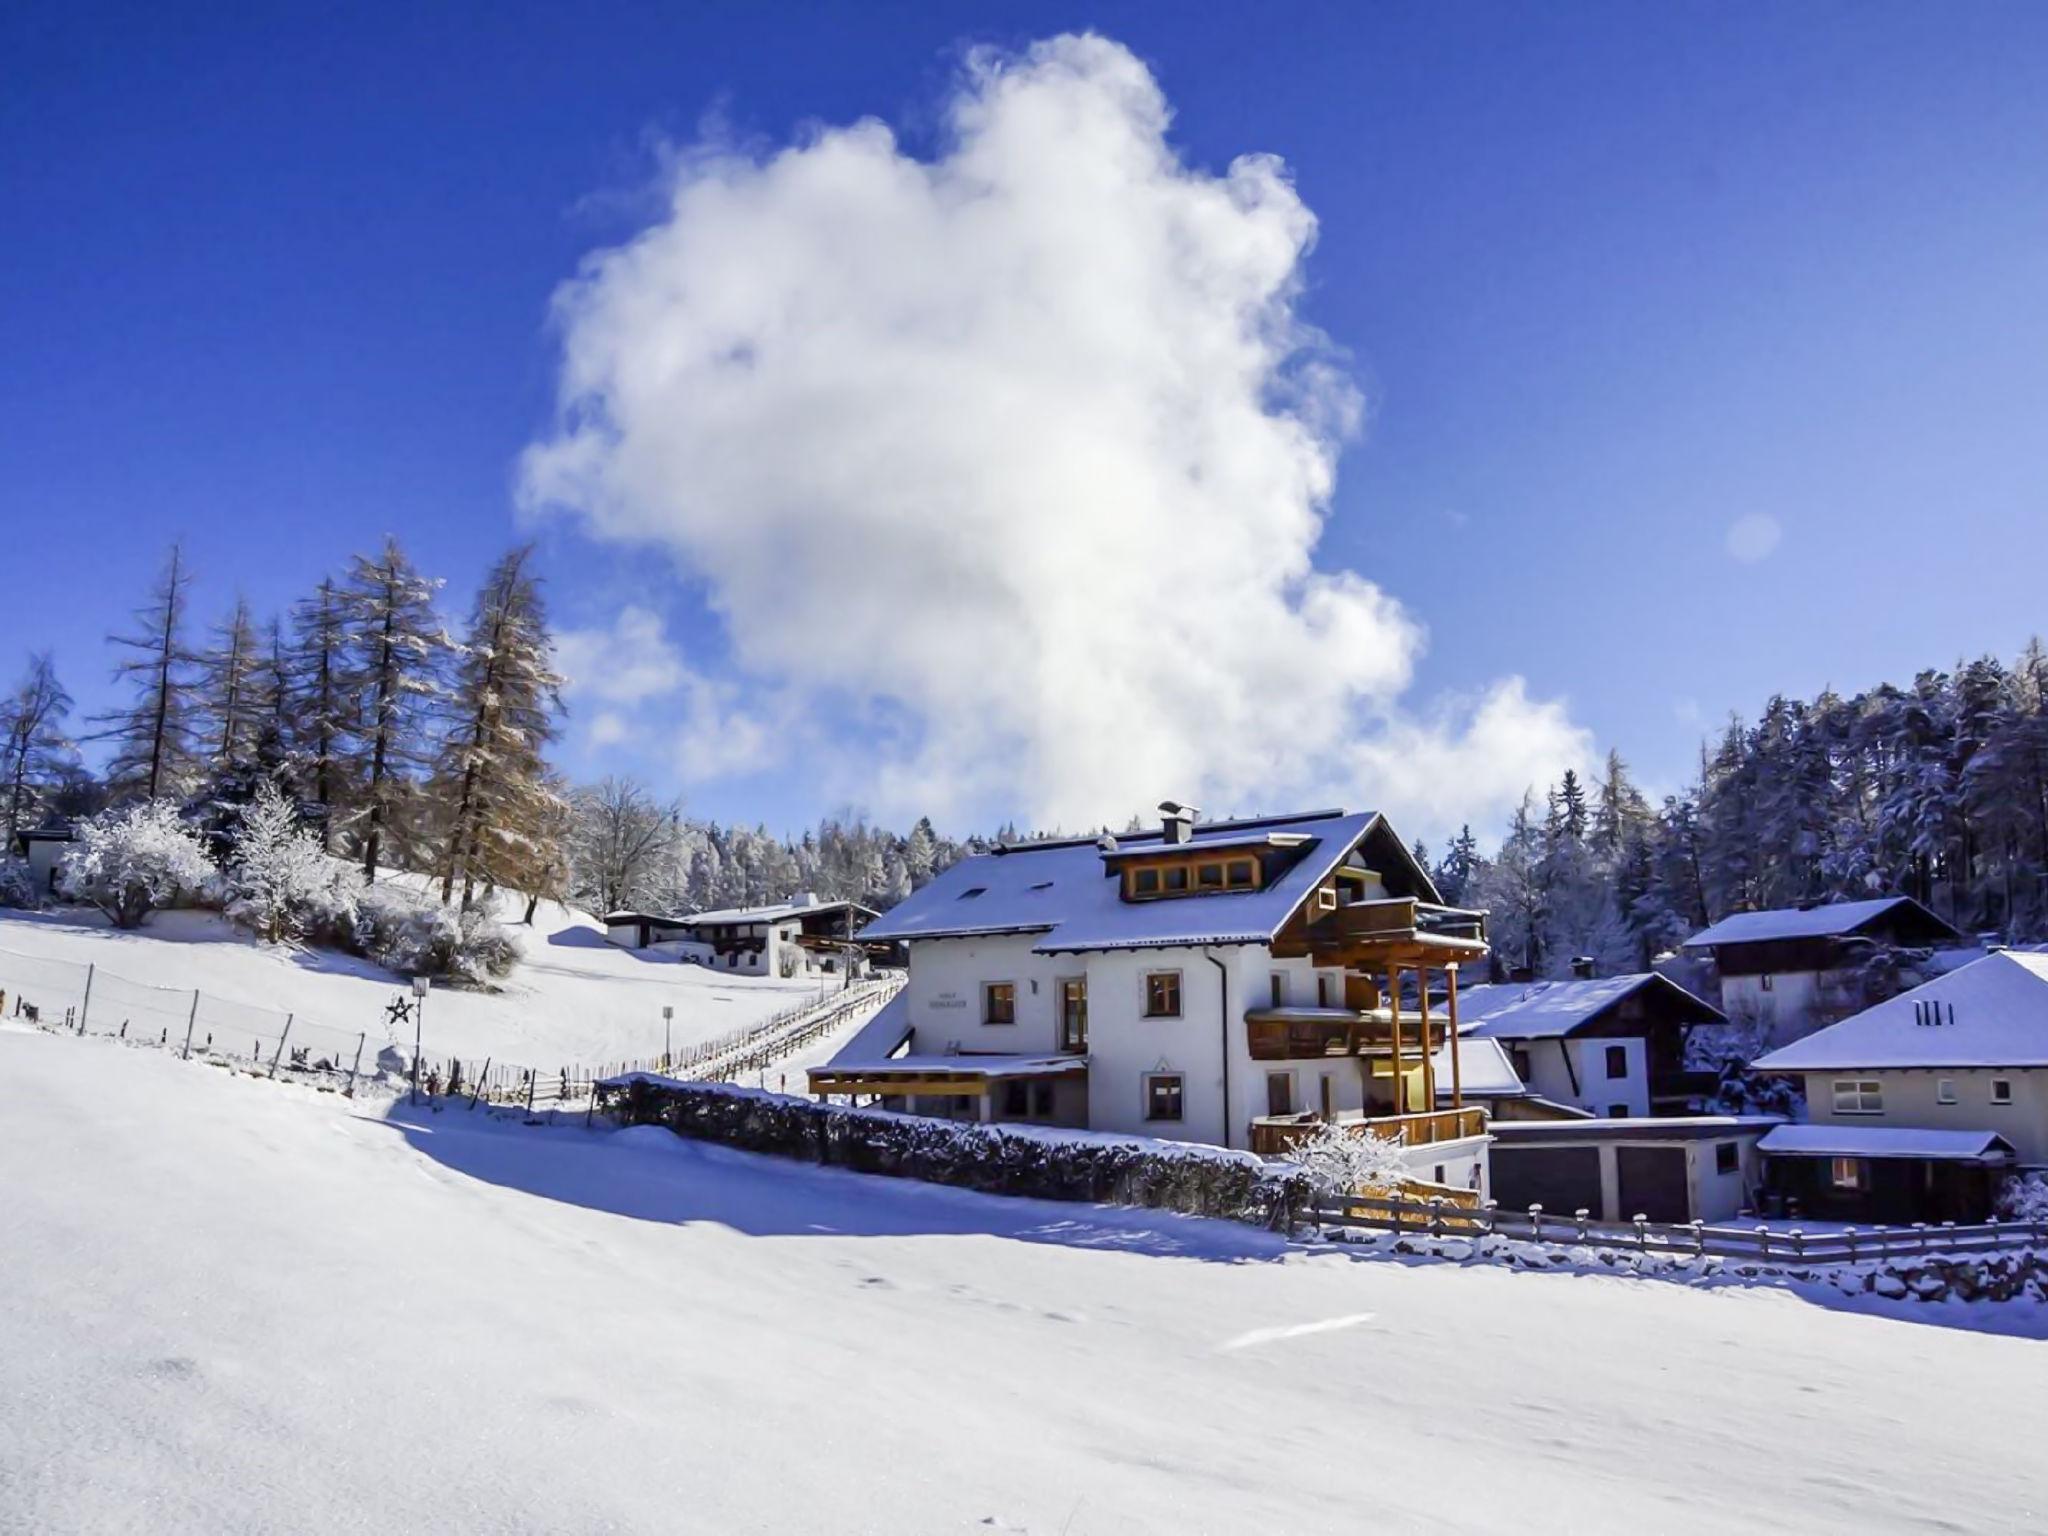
[
  {"x": 1582, "y": 967},
  {"x": 1178, "y": 820}
]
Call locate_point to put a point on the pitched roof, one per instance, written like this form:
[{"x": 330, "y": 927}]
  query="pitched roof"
[
  {"x": 774, "y": 913},
  {"x": 1484, "y": 1070},
  {"x": 1829, "y": 920},
  {"x": 1993, "y": 1013},
  {"x": 1885, "y": 1141},
  {"x": 1549, "y": 1010},
  {"x": 1067, "y": 892}
]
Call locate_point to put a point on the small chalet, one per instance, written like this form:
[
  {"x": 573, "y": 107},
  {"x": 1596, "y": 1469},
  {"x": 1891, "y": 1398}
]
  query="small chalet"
[
  {"x": 44, "y": 848},
  {"x": 791, "y": 938},
  {"x": 1230, "y": 982},
  {"x": 1612, "y": 1046},
  {"x": 1793, "y": 969},
  {"x": 1920, "y": 1106}
]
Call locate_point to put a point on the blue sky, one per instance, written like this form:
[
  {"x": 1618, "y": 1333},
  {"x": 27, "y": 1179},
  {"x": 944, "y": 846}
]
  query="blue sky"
[{"x": 1612, "y": 280}]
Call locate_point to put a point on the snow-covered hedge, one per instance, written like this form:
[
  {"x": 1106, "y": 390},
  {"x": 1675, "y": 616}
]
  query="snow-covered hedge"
[
  {"x": 415, "y": 935},
  {"x": 130, "y": 862},
  {"x": 18, "y": 884},
  {"x": 1035, "y": 1161}
]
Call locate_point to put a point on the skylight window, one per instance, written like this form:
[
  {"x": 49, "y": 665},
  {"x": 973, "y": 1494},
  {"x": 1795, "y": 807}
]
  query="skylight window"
[
  {"x": 1043, "y": 885},
  {"x": 972, "y": 890}
]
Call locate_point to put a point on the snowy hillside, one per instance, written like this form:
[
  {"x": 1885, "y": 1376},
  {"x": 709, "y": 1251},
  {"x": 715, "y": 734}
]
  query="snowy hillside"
[
  {"x": 573, "y": 999},
  {"x": 241, "y": 1306}
]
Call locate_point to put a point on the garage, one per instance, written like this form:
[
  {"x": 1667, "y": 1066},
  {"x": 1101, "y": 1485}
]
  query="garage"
[
  {"x": 1557, "y": 1178},
  {"x": 1654, "y": 1182}
]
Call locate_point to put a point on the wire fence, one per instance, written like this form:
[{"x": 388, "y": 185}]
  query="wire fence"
[{"x": 87, "y": 999}]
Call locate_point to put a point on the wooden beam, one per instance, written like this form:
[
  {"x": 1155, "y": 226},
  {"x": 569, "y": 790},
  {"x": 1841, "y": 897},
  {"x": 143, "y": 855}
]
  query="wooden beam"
[
  {"x": 1394, "y": 1011},
  {"x": 1457, "y": 1067}
]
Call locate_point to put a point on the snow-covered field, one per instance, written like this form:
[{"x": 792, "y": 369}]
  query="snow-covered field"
[
  {"x": 573, "y": 999},
  {"x": 235, "y": 1306}
]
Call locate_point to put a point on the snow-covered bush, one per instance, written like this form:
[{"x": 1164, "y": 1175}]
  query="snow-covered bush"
[
  {"x": 2024, "y": 1197},
  {"x": 1338, "y": 1163},
  {"x": 414, "y": 935},
  {"x": 18, "y": 884},
  {"x": 131, "y": 861},
  {"x": 282, "y": 884}
]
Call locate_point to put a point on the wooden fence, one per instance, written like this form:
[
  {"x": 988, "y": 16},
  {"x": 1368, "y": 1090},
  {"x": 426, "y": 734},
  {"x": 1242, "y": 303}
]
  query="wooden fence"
[{"x": 1439, "y": 1216}]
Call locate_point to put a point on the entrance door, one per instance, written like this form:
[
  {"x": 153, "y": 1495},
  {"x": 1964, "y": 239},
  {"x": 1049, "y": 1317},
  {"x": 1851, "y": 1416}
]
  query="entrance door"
[
  {"x": 1074, "y": 1014},
  {"x": 1279, "y": 1093}
]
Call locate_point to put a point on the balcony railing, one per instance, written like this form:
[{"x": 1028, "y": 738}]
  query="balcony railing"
[
  {"x": 1299, "y": 1034},
  {"x": 1272, "y": 1135},
  {"x": 1397, "y": 923}
]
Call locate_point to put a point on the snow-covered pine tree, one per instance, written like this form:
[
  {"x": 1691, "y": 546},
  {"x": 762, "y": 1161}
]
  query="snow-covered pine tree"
[
  {"x": 152, "y": 754},
  {"x": 228, "y": 689},
  {"x": 321, "y": 706},
  {"x": 491, "y": 774},
  {"x": 394, "y": 645},
  {"x": 34, "y": 749}
]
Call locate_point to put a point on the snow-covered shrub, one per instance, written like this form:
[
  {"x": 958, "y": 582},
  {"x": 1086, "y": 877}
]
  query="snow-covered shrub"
[
  {"x": 415, "y": 935},
  {"x": 2024, "y": 1197},
  {"x": 282, "y": 884},
  {"x": 1338, "y": 1163},
  {"x": 18, "y": 884},
  {"x": 131, "y": 861}
]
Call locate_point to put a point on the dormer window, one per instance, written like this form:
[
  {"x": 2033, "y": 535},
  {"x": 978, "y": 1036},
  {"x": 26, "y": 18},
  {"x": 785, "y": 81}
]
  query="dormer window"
[
  {"x": 1209, "y": 877},
  {"x": 1145, "y": 882},
  {"x": 1175, "y": 878},
  {"x": 1242, "y": 874}
]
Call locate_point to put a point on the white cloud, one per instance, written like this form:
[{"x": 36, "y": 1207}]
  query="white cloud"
[
  {"x": 1020, "y": 455},
  {"x": 1753, "y": 536},
  {"x": 630, "y": 662}
]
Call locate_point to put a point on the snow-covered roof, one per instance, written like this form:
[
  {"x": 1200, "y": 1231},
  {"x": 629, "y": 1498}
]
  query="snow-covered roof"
[
  {"x": 883, "y": 1035},
  {"x": 1220, "y": 842},
  {"x": 1886, "y": 1141},
  {"x": 614, "y": 919},
  {"x": 1070, "y": 894},
  {"x": 1548, "y": 1010},
  {"x": 775, "y": 913},
  {"x": 1829, "y": 920},
  {"x": 1484, "y": 1070},
  {"x": 1993, "y": 1013}
]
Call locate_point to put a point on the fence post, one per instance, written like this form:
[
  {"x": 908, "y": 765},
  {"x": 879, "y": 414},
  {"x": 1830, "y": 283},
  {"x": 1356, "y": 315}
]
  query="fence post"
[
  {"x": 85, "y": 1003},
  {"x": 1849, "y": 1233},
  {"x": 1883, "y": 1235},
  {"x": 1763, "y": 1241},
  {"x": 530, "y": 1076},
  {"x": 286, "y": 1035},
  {"x": 1535, "y": 1223},
  {"x": 1642, "y": 1232},
  {"x": 477, "y": 1087},
  {"x": 1699, "y": 1238},
  {"x": 191, "y": 1019},
  {"x": 1486, "y": 1210},
  {"x": 350, "y": 1091},
  {"x": 1580, "y": 1216},
  {"x": 1436, "y": 1215},
  {"x": 1798, "y": 1246},
  {"x": 1921, "y": 1228}
]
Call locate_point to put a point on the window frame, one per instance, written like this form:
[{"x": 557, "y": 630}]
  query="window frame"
[
  {"x": 1281, "y": 1075},
  {"x": 1945, "y": 1091},
  {"x": 1611, "y": 1055},
  {"x": 1868, "y": 1093},
  {"x": 1179, "y": 997},
  {"x": 1250, "y": 867},
  {"x": 1847, "y": 1174},
  {"x": 2001, "y": 1092},
  {"x": 1276, "y": 988},
  {"x": 1727, "y": 1157},
  {"x": 1145, "y": 880},
  {"x": 988, "y": 989},
  {"x": 1323, "y": 990},
  {"x": 1204, "y": 870},
  {"x": 1174, "y": 880},
  {"x": 1154, "y": 1084}
]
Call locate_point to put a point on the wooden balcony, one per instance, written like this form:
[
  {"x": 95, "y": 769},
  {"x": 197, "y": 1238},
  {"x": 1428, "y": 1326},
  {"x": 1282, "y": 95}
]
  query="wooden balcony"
[
  {"x": 1394, "y": 930},
  {"x": 1309, "y": 1034},
  {"x": 1272, "y": 1135}
]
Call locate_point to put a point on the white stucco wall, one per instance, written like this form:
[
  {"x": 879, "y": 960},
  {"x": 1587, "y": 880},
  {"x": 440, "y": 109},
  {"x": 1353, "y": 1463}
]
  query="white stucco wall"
[
  {"x": 1912, "y": 1101},
  {"x": 1593, "y": 1090},
  {"x": 1789, "y": 1008}
]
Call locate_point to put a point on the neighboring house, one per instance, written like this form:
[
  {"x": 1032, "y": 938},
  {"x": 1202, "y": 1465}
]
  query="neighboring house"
[
  {"x": 1920, "y": 1105},
  {"x": 1689, "y": 1168},
  {"x": 44, "y": 848},
  {"x": 795, "y": 938},
  {"x": 1795, "y": 969},
  {"x": 1228, "y": 982},
  {"x": 1487, "y": 1077},
  {"x": 1612, "y": 1046}
]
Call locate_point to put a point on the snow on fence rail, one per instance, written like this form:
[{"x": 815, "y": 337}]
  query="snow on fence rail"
[
  {"x": 1852, "y": 1245},
  {"x": 66, "y": 997}
]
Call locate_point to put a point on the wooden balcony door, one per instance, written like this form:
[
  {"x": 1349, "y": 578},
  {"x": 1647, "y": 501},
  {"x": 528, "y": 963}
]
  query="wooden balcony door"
[{"x": 1074, "y": 1014}]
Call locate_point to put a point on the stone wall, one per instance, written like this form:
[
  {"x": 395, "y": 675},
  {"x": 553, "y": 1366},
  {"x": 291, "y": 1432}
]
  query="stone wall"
[{"x": 1035, "y": 1161}]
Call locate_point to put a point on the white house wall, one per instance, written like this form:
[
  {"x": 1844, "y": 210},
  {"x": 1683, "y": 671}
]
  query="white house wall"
[
  {"x": 1788, "y": 1009},
  {"x": 1912, "y": 1102},
  {"x": 1593, "y": 1089}
]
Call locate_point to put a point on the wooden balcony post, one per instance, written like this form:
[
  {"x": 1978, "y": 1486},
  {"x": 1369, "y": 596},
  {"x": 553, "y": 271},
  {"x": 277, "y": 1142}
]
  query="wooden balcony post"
[
  {"x": 1394, "y": 1013},
  {"x": 1428, "y": 1055},
  {"x": 1457, "y": 1068}
]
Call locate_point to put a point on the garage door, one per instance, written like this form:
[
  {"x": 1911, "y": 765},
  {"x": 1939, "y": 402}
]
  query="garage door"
[
  {"x": 1653, "y": 1183},
  {"x": 1560, "y": 1179}
]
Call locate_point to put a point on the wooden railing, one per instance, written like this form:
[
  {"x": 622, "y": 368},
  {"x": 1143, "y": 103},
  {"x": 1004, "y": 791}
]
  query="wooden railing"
[
  {"x": 1441, "y": 1211},
  {"x": 1273, "y": 1135},
  {"x": 1283, "y": 1039}
]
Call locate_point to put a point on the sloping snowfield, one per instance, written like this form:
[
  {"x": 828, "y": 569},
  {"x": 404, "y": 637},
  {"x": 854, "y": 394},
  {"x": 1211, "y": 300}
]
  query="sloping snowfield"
[
  {"x": 233, "y": 1306},
  {"x": 574, "y": 999}
]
